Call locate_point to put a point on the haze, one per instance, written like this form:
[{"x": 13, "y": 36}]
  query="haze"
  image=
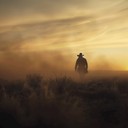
[{"x": 45, "y": 36}]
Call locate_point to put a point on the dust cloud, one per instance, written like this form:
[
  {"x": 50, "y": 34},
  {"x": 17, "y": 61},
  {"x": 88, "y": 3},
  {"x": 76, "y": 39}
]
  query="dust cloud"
[
  {"x": 15, "y": 65},
  {"x": 104, "y": 63}
]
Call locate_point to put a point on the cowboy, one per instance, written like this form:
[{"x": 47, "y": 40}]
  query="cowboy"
[{"x": 81, "y": 65}]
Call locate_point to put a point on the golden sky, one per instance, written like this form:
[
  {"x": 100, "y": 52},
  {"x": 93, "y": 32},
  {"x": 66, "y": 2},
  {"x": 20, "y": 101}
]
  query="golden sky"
[{"x": 43, "y": 35}]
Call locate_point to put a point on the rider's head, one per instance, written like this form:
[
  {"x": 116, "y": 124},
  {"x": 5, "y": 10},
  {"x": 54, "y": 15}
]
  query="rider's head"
[{"x": 80, "y": 55}]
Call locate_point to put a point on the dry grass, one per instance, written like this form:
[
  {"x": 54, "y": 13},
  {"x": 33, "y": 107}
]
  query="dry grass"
[{"x": 64, "y": 103}]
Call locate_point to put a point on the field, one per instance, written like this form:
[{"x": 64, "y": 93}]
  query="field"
[{"x": 97, "y": 101}]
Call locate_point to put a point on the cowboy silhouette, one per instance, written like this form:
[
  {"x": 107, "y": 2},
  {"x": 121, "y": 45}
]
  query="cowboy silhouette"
[{"x": 81, "y": 65}]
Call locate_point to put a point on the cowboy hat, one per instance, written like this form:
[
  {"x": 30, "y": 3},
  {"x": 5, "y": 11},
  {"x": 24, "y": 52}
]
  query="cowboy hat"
[{"x": 80, "y": 54}]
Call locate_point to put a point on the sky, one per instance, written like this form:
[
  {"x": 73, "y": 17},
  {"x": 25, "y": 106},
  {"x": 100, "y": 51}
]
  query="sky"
[{"x": 46, "y": 35}]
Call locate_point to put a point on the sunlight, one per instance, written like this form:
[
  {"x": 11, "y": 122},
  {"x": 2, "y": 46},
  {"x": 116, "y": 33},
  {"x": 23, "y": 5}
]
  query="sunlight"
[{"x": 126, "y": 68}]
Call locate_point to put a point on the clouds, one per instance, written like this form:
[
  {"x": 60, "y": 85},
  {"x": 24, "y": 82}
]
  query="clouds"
[
  {"x": 69, "y": 33},
  {"x": 30, "y": 9},
  {"x": 21, "y": 11},
  {"x": 51, "y": 34}
]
